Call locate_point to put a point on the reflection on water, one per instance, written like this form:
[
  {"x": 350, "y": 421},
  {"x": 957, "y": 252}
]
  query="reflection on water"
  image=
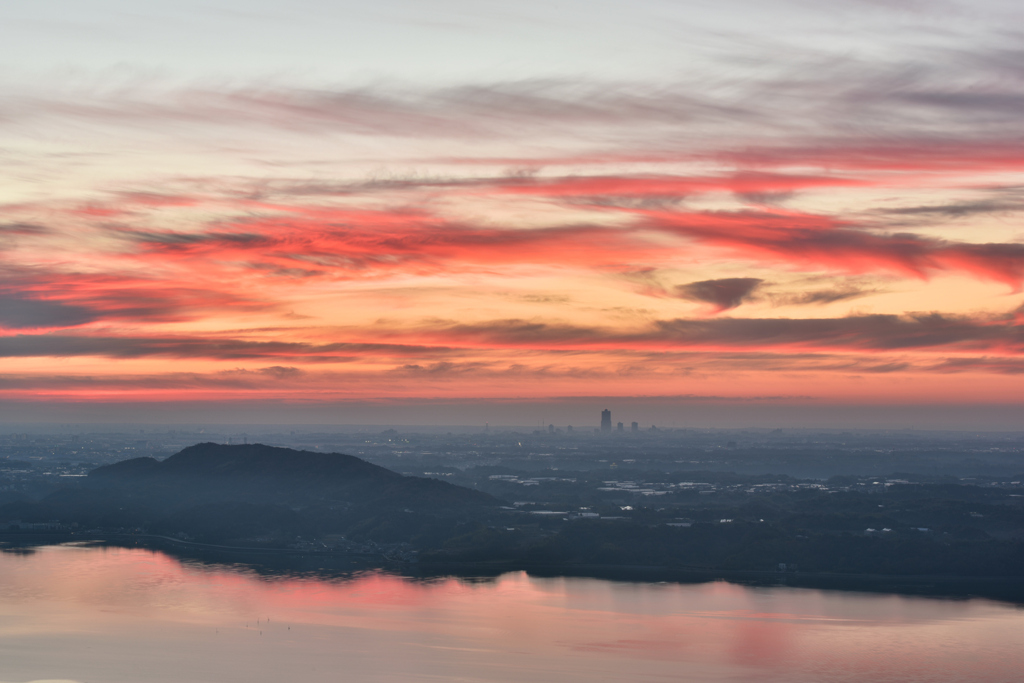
[{"x": 115, "y": 614}]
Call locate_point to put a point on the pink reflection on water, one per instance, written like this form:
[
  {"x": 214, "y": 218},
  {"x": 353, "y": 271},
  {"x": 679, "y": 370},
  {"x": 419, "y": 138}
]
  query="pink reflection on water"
[
  {"x": 757, "y": 641},
  {"x": 94, "y": 605}
]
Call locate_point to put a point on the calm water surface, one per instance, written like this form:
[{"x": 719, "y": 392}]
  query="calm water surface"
[{"x": 109, "y": 614}]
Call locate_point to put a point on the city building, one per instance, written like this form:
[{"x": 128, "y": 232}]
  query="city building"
[{"x": 606, "y": 420}]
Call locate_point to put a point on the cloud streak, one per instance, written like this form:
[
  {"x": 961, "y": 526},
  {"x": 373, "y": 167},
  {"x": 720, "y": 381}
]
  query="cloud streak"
[
  {"x": 866, "y": 333},
  {"x": 931, "y": 332},
  {"x": 124, "y": 347},
  {"x": 951, "y": 90}
]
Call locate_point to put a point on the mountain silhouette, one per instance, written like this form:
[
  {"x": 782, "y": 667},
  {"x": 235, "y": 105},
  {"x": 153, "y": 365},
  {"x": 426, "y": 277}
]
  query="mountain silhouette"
[{"x": 255, "y": 473}]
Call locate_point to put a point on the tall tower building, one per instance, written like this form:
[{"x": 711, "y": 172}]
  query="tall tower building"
[{"x": 606, "y": 420}]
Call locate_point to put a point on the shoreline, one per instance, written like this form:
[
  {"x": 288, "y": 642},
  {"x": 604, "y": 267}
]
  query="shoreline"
[{"x": 282, "y": 560}]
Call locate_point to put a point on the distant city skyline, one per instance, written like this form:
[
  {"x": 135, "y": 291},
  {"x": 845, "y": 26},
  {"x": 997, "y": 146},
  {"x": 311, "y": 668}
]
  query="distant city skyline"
[{"x": 579, "y": 415}]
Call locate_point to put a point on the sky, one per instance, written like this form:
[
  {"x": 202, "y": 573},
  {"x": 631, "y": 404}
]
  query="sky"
[{"x": 780, "y": 211}]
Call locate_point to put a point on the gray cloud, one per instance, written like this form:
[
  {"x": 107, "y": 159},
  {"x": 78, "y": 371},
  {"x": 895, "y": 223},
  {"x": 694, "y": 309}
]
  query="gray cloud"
[
  {"x": 854, "y": 333},
  {"x": 1002, "y": 366},
  {"x": 234, "y": 379},
  {"x": 679, "y": 345},
  {"x": 27, "y": 345},
  {"x": 22, "y": 229},
  {"x": 466, "y": 111},
  {"x": 172, "y": 239},
  {"x": 882, "y": 332},
  {"x": 17, "y": 312},
  {"x": 765, "y": 198},
  {"x": 275, "y": 371},
  {"x": 442, "y": 369},
  {"x": 723, "y": 294},
  {"x": 820, "y": 297},
  {"x": 959, "y": 209}
]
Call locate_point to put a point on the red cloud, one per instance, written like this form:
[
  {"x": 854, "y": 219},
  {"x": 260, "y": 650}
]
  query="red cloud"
[
  {"x": 303, "y": 240},
  {"x": 813, "y": 242},
  {"x": 365, "y": 244},
  {"x": 225, "y": 264},
  {"x": 56, "y": 300}
]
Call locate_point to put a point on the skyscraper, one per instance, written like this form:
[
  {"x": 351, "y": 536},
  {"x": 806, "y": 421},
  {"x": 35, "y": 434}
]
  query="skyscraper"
[{"x": 606, "y": 420}]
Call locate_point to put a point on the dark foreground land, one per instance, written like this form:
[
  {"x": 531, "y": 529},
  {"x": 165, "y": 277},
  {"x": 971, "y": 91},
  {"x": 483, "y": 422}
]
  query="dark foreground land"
[{"x": 296, "y": 510}]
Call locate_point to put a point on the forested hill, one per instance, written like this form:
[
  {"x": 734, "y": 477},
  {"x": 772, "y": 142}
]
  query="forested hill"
[
  {"x": 248, "y": 462},
  {"x": 256, "y": 473}
]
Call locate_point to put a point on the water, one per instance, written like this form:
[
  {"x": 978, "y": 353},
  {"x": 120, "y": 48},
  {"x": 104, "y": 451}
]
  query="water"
[{"x": 98, "y": 615}]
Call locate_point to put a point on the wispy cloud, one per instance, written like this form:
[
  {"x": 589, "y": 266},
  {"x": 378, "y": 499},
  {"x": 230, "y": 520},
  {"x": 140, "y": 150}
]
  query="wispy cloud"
[
  {"x": 841, "y": 292},
  {"x": 953, "y": 90},
  {"x": 930, "y": 332},
  {"x": 125, "y": 347},
  {"x": 22, "y": 229}
]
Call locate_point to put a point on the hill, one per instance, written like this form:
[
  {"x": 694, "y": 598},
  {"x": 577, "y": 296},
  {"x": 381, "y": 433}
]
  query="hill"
[
  {"x": 255, "y": 473},
  {"x": 257, "y": 494}
]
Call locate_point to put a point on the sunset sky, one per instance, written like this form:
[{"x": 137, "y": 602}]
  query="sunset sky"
[{"x": 324, "y": 207}]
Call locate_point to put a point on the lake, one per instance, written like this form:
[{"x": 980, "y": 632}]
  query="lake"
[{"x": 107, "y": 614}]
